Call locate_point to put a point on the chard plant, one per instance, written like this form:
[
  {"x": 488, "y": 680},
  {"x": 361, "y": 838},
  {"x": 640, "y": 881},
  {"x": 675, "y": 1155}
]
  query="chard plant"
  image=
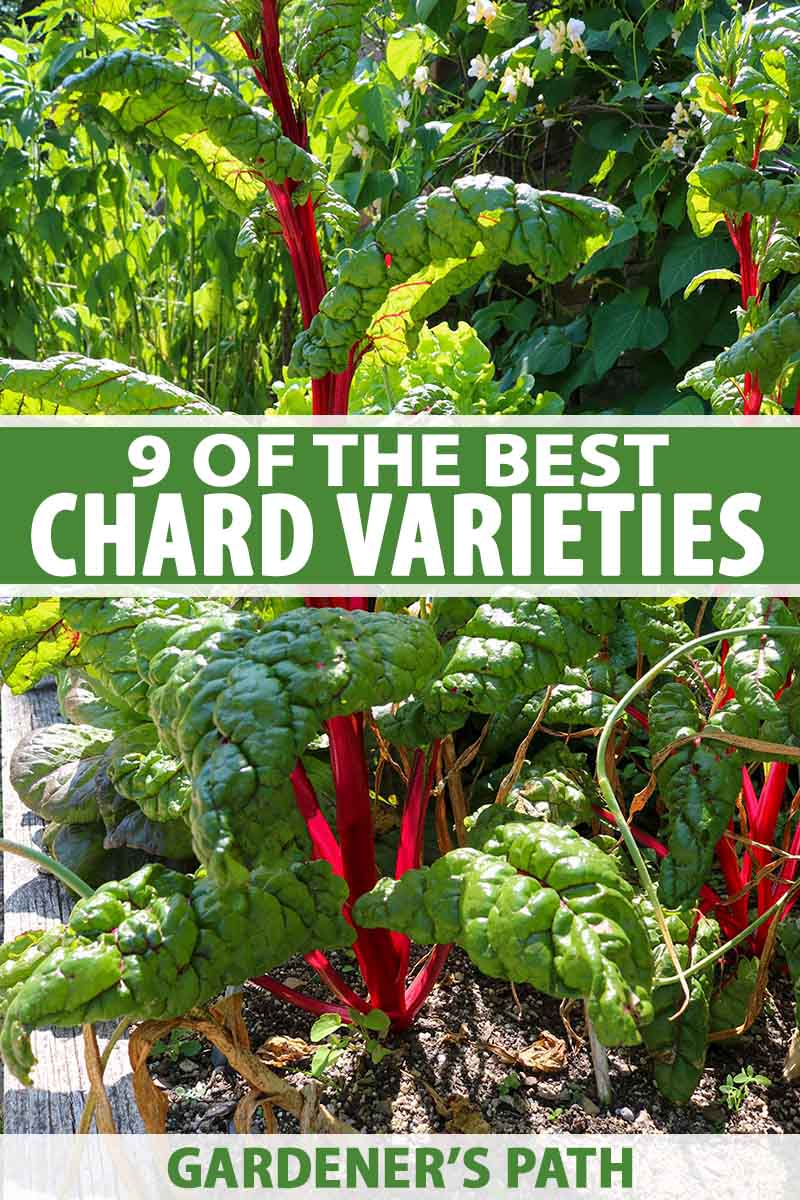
[
  {"x": 236, "y": 772},
  {"x": 747, "y": 88}
]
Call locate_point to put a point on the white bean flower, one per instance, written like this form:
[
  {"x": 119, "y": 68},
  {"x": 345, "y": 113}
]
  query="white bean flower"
[
  {"x": 403, "y": 124},
  {"x": 673, "y": 143},
  {"x": 561, "y": 36},
  {"x": 358, "y": 142},
  {"x": 553, "y": 37},
  {"x": 575, "y": 31},
  {"x": 422, "y": 79},
  {"x": 481, "y": 12},
  {"x": 509, "y": 85},
  {"x": 404, "y": 99},
  {"x": 680, "y": 114},
  {"x": 479, "y": 67},
  {"x": 524, "y": 75}
]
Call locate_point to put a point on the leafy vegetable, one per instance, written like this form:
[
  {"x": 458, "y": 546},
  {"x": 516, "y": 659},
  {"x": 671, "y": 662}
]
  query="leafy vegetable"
[
  {"x": 535, "y": 903},
  {"x": 158, "y": 943}
]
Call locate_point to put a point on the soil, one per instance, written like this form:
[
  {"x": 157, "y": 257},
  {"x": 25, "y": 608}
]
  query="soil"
[{"x": 446, "y": 1075}]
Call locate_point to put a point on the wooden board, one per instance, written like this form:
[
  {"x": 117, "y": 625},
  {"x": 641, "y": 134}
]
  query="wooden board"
[{"x": 33, "y": 900}]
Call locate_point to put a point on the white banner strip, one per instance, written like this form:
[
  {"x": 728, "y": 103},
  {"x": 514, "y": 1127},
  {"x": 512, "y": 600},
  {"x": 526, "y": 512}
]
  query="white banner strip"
[{"x": 169, "y": 1167}]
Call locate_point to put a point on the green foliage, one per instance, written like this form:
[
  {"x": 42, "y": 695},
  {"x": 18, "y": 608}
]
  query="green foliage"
[
  {"x": 363, "y": 1034},
  {"x": 158, "y": 943},
  {"x": 228, "y": 145},
  {"x": 730, "y": 1005},
  {"x": 746, "y": 88},
  {"x": 678, "y": 1044},
  {"x": 508, "y": 648},
  {"x": 736, "y": 1088},
  {"x": 240, "y": 705},
  {"x": 535, "y": 903},
  {"x": 71, "y": 384},
  {"x": 789, "y": 934},
  {"x": 142, "y": 186},
  {"x": 115, "y": 253},
  {"x": 436, "y": 246}
]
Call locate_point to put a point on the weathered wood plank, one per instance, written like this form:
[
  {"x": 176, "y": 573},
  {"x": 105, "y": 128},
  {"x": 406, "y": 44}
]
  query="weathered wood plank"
[{"x": 34, "y": 900}]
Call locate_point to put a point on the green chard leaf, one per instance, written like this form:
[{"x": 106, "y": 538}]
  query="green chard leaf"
[
  {"x": 436, "y": 246},
  {"x": 69, "y": 384},
  {"x": 698, "y": 783},
  {"x": 233, "y": 149},
  {"x": 328, "y": 39},
  {"x": 34, "y": 641},
  {"x": 679, "y": 1044},
  {"x": 509, "y": 648},
  {"x": 730, "y": 1004},
  {"x": 239, "y": 705},
  {"x": 159, "y": 943},
  {"x": 789, "y": 935},
  {"x": 756, "y": 666},
  {"x": 534, "y": 903}
]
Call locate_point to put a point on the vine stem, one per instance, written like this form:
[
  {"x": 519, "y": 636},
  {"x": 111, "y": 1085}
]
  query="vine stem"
[
  {"x": 734, "y": 941},
  {"x": 73, "y": 881},
  {"x": 604, "y": 783}
]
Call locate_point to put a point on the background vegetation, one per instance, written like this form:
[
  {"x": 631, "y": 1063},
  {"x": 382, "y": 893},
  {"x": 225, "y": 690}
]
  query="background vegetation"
[{"x": 121, "y": 254}]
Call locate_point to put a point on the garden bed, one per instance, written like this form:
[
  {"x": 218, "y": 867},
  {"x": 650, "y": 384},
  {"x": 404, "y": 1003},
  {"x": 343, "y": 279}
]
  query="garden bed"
[
  {"x": 447, "y": 1071},
  {"x": 454, "y": 1071}
]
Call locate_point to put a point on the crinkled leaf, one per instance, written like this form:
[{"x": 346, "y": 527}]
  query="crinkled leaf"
[
  {"x": 239, "y": 705},
  {"x": 730, "y": 1005},
  {"x": 698, "y": 784},
  {"x": 213, "y": 21},
  {"x": 82, "y": 703},
  {"x": 561, "y": 794},
  {"x": 765, "y": 352},
  {"x": 161, "y": 839},
  {"x": 158, "y": 944},
  {"x": 34, "y": 641},
  {"x": 69, "y": 384},
  {"x": 679, "y": 1045},
  {"x": 734, "y": 189},
  {"x": 144, "y": 774},
  {"x": 231, "y": 148},
  {"x": 659, "y": 628},
  {"x": 82, "y": 848},
  {"x": 328, "y": 38},
  {"x": 756, "y": 665},
  {"x": 535, "y": 903},
  {"x": 439, "y": 243},
  {"x": 509, "y": 648},
  {"x": 55, "y": 769}
]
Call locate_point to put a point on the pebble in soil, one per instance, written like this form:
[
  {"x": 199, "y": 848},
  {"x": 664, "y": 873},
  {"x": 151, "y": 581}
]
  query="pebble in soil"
[{"x": 445, "y": 1055}]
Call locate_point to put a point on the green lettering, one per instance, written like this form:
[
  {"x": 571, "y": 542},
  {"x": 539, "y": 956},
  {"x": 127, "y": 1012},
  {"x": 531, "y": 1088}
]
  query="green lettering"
[
  {"x": 361, "y": 1169},
  {"x": 581, "y": 1154},
  {"x": 551, "y": 1169},
  {"x": 624, "y": 1167},
  {"x": 395, "y": 1166},
  {"x": 255, "y": 1164},
  {"x": 327, "y": 1162},
  {"x": 181, "y": 1173},
  {"x": 220, "y": 1169},
  {"x": 428, "y": 1172},
  {"x": 519, "y": 1162},
  {"x": 479, "y": 1176},
  {"x": 287, "y": 1155}
]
